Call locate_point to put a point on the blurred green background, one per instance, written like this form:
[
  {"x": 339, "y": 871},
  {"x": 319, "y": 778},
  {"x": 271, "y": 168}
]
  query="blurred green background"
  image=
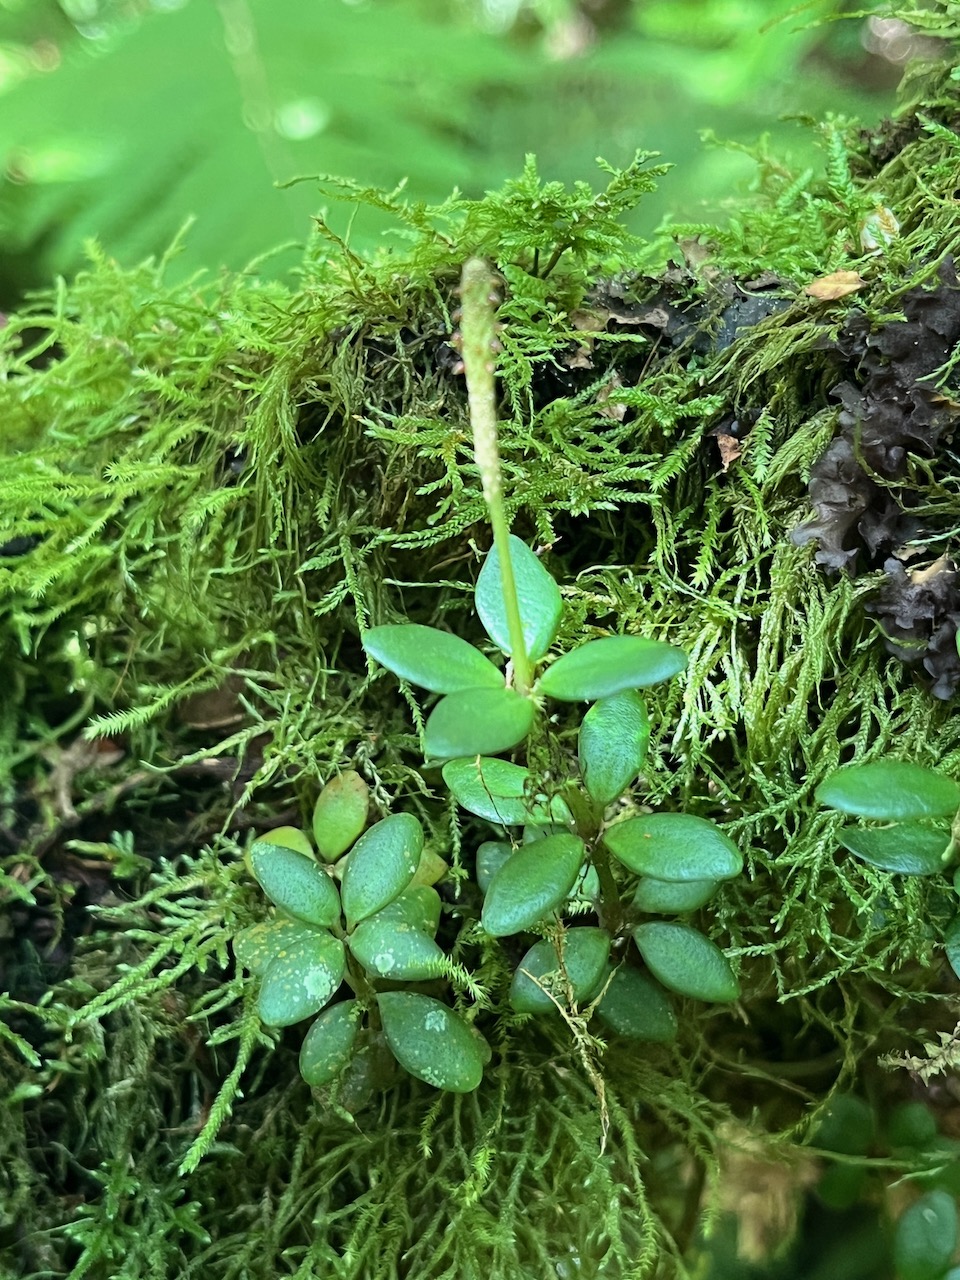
[{"x": 121, "y": 119}]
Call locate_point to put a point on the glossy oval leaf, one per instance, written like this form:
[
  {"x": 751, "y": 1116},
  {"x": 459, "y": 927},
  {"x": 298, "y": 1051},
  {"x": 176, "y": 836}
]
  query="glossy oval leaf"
[
  {"x": 890, "y": 790},
  {"x": 301, "y": 979},
  {"x": 951, "y": 942},
  {"x": 290, "y": 838},
  {"x": 586, "y": 886},
  {"x": 585, "y": 955},
  {"x": 396, "y": 950},
  {"x": 909, "y": 849},
  {"x": 602, "y": 668},
  {"x": 256, "y": 946},
  {"x": 297, "y": 884},
  {"x": 925, "y": 1237},
  {"x": 418, "y": 906},
  {"x": 635, "y": 1007},
  {"x": 498, "y": 791},
  {"x": 477, "y": 722},
  {"x": 613, "y": 745},
  {"x": 531, "y": 884},
  {"x": 380, "y": 866},
  {"x": 537, "y": 593},
  {"x": 674, "y": 846},
  {"x": 432, "y": 659},
  {"x": 686, "y": 962},
  {"x": 672, "y": 898},
  {"x": 430, "y": 869},
  {"x": 491, "y": 856},
  {"x": 340, "y": 814},
  {"x": 328, "y": 1045},
  {"x": 431, "y": 1041}
]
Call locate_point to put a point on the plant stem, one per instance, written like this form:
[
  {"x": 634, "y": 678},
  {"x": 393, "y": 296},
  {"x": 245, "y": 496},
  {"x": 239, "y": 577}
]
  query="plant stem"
[{"x": 478, "y": 330}]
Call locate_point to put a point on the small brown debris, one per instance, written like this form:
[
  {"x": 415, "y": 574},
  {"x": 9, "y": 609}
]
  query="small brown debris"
[{"x": 837, "y": 285}]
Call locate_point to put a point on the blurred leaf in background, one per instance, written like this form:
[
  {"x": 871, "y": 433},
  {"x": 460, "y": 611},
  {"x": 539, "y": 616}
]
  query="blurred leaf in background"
[{"x": 121, "y": 119}]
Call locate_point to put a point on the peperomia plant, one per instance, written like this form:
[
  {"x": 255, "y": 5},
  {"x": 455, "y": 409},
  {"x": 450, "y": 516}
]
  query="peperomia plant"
[
  {"x": 375, "y": 930},
  {"x": 910, "y": 823},
  {"x": 588, "y": 880}
]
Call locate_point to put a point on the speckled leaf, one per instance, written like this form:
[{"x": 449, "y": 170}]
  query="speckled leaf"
[
  {"x": 328, "y": 1045},
  {"x": 537, "y": 593},
  {"x": 298, "y": 885},
  {"x": 497, "y": 790},
  {"x": 613, "y": 743},
  {"x": 601, "y": 668},
  {"x": 477, "y": 722},
  {"x": 634, "y": 1006},
  {"x": 674, "y": 846},
  {"x": 431, "y": 1041},
  {"x": 672, "y": 898},
  {"x": 686, "y": 962},
  {"x": 585, "y": 953},
  {"x": 531, "y": 884},
  {"x": 380, "y": 866},
  {"x": 301, "y": 979},
  {"x": 340, "y": 814},
  {"x": 951, "y": 941},
  {"x": 491, "y": 856},
  {"x": 256, "y": 946},
  {"x": 890, "y": 790},
  {"x": 395, "y": 949},
  {"x": 432, "y": 659},
  {"x": 910, "y": 849},
  {"x": 418, "y": 907},
  {"x": 926, "y": 1236}
]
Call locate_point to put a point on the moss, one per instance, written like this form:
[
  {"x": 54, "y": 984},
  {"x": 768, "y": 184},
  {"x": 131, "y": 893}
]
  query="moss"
[{"x": 212, "y": 487}]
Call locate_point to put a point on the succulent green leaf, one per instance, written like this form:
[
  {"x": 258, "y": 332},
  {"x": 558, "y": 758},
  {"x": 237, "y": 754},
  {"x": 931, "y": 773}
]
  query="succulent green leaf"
[
  {"x": 951, "y": 942},
  {"x": 890, "y": 790},
  {"x": 301, "y": 979},
  {"x": 328, "y": 1045},
  {"x": 431, "y": 1041},
  {"x": 686, "y": 962},
  {"x": 432, "y": 659},
  {"x": 613, "y": 743},
  {"x": 585, "y": 954},
  {"x": 672, "y": 898},
  {"x": 297, "y": 884},
  {"x": 587, "y": 885},
  {"x": 418, "y": 906},
  {"x": 477, "y": 722},
  {"x": 912, "y": 1124},
  {"x": 256, "y": 946},
  {"x": 847, "y": 1126},
  {"x": 531, "y": 884},
  {"x": 601, "y": 668},
  {"x": 380, "y": 866},
  {"x": 500, "y": 792},
  {"x": 491, "y": 856},
  {"x": 430, "y": 869},
  {"x": 926, "y": 1237},
  {"x": 635, "y": 1007},
  {"x": 340, "y": 814},
  {"x": 533, "y": 832},
  {"x": 396, "y": 950},
  {"x": 290, "y": 838},
  {"x": 910, "y": 849},
  {"x": 674, "y": 846},
  {"x": 537, "y": 593}
]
